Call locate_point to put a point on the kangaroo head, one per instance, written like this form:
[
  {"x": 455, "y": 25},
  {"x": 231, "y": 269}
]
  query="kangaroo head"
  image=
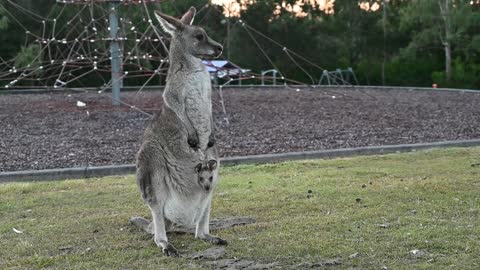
[{"x": 192, "y": 40}]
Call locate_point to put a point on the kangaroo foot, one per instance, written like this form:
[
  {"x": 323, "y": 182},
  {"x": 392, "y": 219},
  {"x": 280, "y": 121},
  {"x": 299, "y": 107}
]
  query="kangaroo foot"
[
  {"x": 168, "y": 249},
  {"x": 214, "y": 240}
]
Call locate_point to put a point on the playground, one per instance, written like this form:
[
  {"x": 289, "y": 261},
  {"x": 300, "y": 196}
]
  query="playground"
[{"x": 43, "y": 131}]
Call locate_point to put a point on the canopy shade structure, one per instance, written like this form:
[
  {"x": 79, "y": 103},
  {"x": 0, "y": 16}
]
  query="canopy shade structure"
[{"x": 224, "y": 69}]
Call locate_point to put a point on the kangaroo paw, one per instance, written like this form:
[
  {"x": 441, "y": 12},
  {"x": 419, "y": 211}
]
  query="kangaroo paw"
[
  {"x": 170, "y": 251},
  {"x": 211, "y": 142},
  {"x": 193, "y": 142},
  {"x": 167, "y": 248}
]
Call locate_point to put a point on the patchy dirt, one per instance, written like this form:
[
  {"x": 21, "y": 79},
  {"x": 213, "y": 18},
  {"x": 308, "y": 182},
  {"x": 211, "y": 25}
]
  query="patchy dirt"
[
  {"x": 220, "y": 224},
  {"x": 213, "y": 253},
  {"x": 320, "y": 264},
  {"x": 51, "y": 131},
  {"x": 217, "y": 257},
  {"x": 234, "y": 264},
  {"x": 217, "y": 224}
]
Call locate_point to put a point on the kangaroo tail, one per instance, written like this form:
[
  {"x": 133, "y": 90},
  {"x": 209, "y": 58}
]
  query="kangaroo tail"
[{"x": 142, "y": 224}]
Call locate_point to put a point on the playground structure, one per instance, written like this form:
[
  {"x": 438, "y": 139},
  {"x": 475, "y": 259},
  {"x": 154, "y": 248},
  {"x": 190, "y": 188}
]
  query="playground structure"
[
  {"x": 104, "y": 41},
  {"x": 338, "y": 77},
  {"x": 225, "y": 70},
  {"x": 116, "y": 54},
  {"x": 90, "y": 41},
  {"x": 274, "y": 73}
]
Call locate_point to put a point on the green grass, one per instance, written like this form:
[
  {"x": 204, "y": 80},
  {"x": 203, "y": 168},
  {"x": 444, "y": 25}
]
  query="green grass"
[{"x": 429, "y": 201}]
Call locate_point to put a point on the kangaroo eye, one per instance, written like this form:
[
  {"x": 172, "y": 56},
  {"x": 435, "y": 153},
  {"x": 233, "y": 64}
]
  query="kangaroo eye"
[
  {"x": 211, "y": 178},
  {"x": 200, "y": 37},
  {"x": 201, "y": 179}
]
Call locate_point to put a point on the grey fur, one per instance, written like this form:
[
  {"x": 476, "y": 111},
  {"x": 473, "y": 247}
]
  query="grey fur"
[{"x": 180, "y": 138}]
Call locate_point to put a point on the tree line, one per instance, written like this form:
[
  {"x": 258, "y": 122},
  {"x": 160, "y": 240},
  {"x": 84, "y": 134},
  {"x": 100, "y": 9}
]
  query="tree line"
[{"x": 403, "y": 42}]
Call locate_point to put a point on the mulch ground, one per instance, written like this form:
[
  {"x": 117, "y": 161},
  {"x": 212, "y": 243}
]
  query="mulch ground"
[{"x": 40, "y": 131}]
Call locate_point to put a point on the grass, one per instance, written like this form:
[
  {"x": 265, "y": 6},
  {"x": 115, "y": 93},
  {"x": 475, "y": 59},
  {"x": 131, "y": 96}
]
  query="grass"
[{"x": 381, "y": 207}]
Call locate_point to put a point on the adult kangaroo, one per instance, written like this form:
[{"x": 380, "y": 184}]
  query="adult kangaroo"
[{"x": 178, "y": 148}]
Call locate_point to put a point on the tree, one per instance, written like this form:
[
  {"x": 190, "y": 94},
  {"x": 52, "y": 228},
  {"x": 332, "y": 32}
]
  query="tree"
[
  {"x": 438, "y": 22},
  {"x": 3, "y": 18},
  {"x": 3, "y": 21}
]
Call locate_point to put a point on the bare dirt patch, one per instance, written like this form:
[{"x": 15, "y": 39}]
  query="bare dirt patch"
[{"x": 41, "y": 131}]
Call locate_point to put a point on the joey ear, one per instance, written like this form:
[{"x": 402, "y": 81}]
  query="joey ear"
[
  {"x": 198, "y": 168},
  {"x": 212, "y": 164},
  {"x": 188, "y": 17},
  {"x": 168, "y": 23}
]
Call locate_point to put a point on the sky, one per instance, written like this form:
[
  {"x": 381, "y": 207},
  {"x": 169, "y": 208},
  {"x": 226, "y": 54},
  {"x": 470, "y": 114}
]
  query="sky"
[{"x": 232, "y": 8}]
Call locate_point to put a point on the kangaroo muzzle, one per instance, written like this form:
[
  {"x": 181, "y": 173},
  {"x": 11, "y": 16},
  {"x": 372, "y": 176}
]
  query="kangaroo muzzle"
[{"x": 217, "y": 48}]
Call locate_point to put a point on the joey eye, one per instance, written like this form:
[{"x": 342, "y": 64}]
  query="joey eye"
[
  {"x": 201, "y": 179},
  {"x": 200, "y": 37},
  {"x": 210, "y": 179}
]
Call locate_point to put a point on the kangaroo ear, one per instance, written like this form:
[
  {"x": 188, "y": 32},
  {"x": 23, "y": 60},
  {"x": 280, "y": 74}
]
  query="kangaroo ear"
[
  {"x": 168, "y": 23},
  {"x": 212, "y": 164},
  {"x": 188, "y": 17},
  {"x": 198, "y": 168}
]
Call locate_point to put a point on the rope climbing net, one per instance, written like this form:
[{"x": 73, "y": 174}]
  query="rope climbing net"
[{"x": 72, "y": 48}]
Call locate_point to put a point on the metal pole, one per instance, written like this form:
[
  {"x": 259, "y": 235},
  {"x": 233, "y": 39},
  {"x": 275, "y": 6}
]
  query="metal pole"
[
  {"x": 384, "y": 41},
  {"x": 328, "y": 77},
  {"x": 228, "y": 36},
  {"x": 115, "y": 54}
]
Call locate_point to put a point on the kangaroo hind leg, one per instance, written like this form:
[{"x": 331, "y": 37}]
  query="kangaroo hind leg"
[
  {"x": 159, "y": 228},
  {"x": 148, "y": 189},
  {"x": 202, "y": 230}
]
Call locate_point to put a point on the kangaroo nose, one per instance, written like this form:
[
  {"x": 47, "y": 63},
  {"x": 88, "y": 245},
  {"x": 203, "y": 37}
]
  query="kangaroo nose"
[{"x": 219, "y": 49}]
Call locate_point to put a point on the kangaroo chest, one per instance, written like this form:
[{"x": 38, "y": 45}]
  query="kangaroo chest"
[
  {"x": 189, "y": 95},
  {"x": 198, "y": 105}
]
